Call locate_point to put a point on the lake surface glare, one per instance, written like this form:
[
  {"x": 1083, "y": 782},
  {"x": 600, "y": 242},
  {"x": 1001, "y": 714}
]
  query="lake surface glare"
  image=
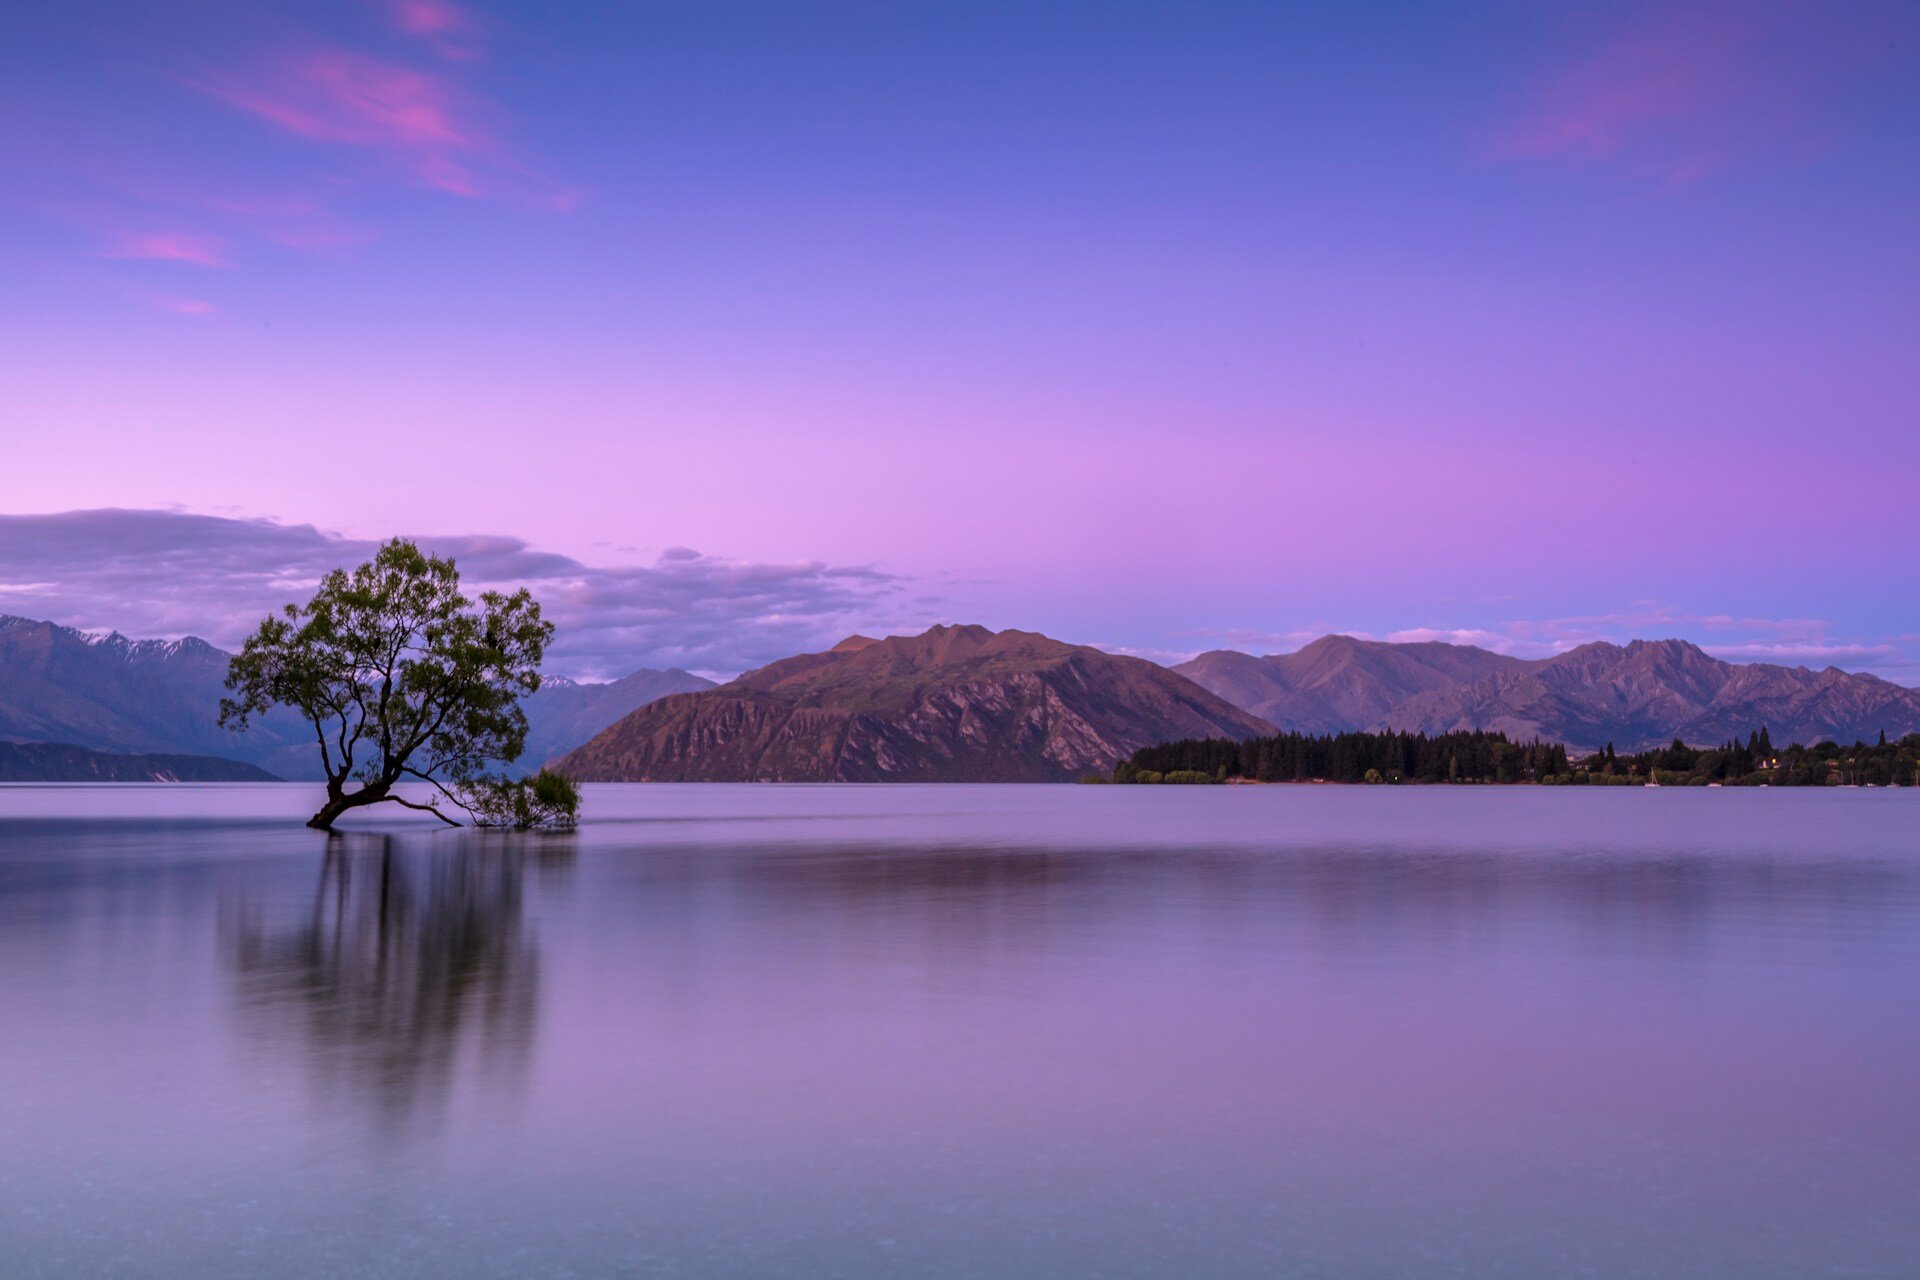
[{"x": 845, "y": 1031}]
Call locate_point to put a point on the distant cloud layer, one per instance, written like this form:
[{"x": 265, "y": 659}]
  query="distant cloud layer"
[
  {"x": 347, "y": 98},
  {"x": 171, "y": 573},
  {"x": 162, "y": 573},
  {"x": 170, "y": 246},
  {"x": 342, "y": 105},
  {"x": 1675, "y": 91}
]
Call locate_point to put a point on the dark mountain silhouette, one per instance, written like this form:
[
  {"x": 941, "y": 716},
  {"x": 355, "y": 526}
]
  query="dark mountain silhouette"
[
  {"x": 109, "y": 693},
  {"x": 59, "y": 762},
  {"x": 1637, "y": 696},
  {"x": 955, "y": 704}
]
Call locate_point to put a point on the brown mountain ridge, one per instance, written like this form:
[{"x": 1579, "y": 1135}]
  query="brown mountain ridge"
[
  {"x": 1338, "y": 683},
  {"x": 954, "y": 704},
  {"x": 1639, "y": 695}
]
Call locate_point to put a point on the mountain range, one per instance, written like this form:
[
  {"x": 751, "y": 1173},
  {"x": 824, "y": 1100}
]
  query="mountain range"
[
  {"x": 1338, "y": 683},
  {"x": 108, "y": 693},
  {"x": 963, "y": 703},
  {"x": 954, "y": 704},
  {"x": 1636, "y": 696}
]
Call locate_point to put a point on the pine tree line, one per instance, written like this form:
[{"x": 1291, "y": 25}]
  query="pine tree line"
[
  {"x": 1476, "y": 756},
  {"x": 1484, "y": 757},
  {"x": 1757, "y": 762}
]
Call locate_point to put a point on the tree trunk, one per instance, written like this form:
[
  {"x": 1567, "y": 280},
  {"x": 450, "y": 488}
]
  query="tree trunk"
[
  {"x": 333, "y": 808},
  {"x": 339, "y": 801}
]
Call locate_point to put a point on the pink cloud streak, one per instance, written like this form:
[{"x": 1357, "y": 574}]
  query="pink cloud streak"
[
  {"x": 1649, "y": 81},
  {"x": 1661, "y": 99},
  {"x": 428, "y": 17},
  {"x": 294, "y": 222},
  {"x": 171, "y": 246},
  {"x": 447, "y": 27},
  {"x": 333, "y": 95}
]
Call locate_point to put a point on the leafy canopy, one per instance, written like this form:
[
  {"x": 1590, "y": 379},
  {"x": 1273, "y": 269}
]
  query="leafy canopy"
[
  {"x": 547, "y": 799},
  {"x": 402, "y": 677}
]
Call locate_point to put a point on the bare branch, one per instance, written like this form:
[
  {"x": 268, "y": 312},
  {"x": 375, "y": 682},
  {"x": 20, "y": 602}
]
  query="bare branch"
[{"x": 424, "y": 808}]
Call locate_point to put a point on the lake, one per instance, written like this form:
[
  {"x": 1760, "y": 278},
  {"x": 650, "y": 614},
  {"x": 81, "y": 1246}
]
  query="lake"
[{"x": 845, "y": 1031}]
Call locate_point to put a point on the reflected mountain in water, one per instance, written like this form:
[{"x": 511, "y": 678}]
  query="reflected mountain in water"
[{"x": 412, "y": 973}]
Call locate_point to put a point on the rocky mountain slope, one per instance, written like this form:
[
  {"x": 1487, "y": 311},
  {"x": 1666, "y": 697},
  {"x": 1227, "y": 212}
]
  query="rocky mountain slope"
[
  {"x": 1636, "y": 696},
  {"x": 1646, "y": 693},
  {"x": 963, "y": 703},
  {"x": 58, "y": 762},
  {"x": 109, "y": 693},
  {"x": 1339, "y": 683},
  {"x": 955, "y": 704}
]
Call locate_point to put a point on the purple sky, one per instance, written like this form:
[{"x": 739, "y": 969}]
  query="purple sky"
[{"x": 1163, "y": 326}]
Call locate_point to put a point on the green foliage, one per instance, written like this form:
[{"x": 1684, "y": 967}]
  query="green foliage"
[
  {"x": 402, "y": 677},
  {"x": 1756, "y": 763},
  {"x": 1480, "y": 757},
  {"x": 1125, "y": 771},
  {"x": 549, "y": 800},
  {"x": 1351, "y": 757}
]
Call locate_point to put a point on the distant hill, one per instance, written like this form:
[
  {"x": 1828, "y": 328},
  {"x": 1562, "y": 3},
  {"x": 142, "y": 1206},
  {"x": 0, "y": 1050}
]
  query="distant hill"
[
  {"x": 1637, "y": 696},
  {"x": 1647, "y": 693},
  {"x": 58, "y": 762},
  {"x": 566, "y": 713},
  {"x": 109, "y": 693},
  {"x": 964, "y": 703},
  {"x": 1338, "y": 683},
  {"x": 955, "y": 704}
]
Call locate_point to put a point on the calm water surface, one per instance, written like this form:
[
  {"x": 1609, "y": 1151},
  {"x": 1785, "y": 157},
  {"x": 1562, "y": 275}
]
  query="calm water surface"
[{"x": 981, "y": 1031}]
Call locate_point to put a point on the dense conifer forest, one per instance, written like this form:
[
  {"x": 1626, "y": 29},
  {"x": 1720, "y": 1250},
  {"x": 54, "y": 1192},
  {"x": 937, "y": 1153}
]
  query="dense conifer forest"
[{"x": 1491, "y": 758}]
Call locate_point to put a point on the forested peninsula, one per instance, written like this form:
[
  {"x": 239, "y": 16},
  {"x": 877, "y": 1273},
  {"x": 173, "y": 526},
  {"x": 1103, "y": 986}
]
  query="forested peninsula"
[{"x": 1484, "y": 758}]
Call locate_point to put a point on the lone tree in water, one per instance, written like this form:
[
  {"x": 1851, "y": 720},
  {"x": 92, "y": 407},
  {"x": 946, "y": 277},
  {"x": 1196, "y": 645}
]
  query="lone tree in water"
[{"x": 405, "y": 681}]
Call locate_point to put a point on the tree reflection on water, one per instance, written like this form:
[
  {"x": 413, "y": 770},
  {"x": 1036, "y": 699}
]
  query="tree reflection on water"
[{"x": 413, "y": 972}]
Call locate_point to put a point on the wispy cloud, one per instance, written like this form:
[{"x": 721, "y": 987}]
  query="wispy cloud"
[
  {"x": 1165, "y": 657},
  {"x": 1254, "y": 640},
  {"x": 173, "y": 573},
  {"x": 350, "y": 105},
  {"x": 1674, "y": 92},
  {"x": 1476, "y": 636},
  {"x": 186, "y": 306},
  {"x": 450, "y": 30},
  {"x": 415, "y": 116},
  {"x": 1807, "y": 654},
  {"x": 1657, "y": 91},
  {"x": 170, "y": 246},
  {"x": 294, "y": 221}
]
